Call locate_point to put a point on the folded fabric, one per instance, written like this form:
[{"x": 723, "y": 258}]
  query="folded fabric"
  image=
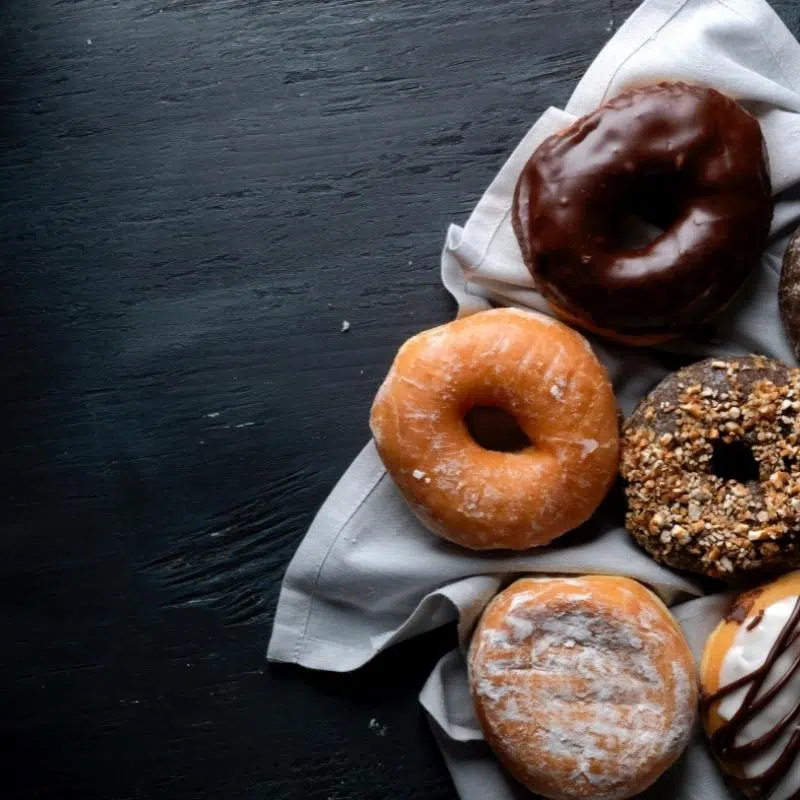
[{"x": 367, "y": 575}]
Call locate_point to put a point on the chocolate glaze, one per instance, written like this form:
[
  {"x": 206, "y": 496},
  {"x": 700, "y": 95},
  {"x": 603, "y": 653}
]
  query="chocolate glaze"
[
  {"x": 687, "y": 159},
  {"x": 723, "y": 739}
]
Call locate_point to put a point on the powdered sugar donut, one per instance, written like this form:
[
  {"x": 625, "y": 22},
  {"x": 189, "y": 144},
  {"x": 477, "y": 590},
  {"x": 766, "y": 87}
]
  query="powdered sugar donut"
[
  {"x": 583, "y": 687},
  {"x": 524, "y": 366}
]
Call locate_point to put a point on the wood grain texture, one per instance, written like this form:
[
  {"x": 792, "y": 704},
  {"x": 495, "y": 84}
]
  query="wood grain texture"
[{"x": 194, "y": 194}]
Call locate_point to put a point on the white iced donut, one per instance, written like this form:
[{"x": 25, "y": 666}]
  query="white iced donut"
[{"x": 751, "y": 691}]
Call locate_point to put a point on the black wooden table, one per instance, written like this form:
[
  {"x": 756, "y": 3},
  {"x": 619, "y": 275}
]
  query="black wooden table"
[{"x": 194, "y": 196}]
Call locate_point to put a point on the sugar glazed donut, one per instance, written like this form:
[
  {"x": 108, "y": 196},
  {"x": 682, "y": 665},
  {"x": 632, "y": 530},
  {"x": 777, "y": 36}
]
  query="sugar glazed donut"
[
  {"x": 583, "y": 687},
  {"x": 710, "y": 463},
  {"x": 750, "y": 676},
  {"x": 689, "y": 161},
  {"x": 534, "y": 369}
]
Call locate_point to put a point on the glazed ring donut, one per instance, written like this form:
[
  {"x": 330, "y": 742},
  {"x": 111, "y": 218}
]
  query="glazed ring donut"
[
  {"x": 584, "y": 687},
  {"x": 710, "y": 462},
  {"x": 534, "y": 369},
  {"x": 686, "y": 159},
  {"x": 753, "y": 652}
]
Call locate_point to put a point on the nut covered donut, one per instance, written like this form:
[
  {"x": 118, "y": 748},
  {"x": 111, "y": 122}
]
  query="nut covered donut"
[
  {"x": 689, "y": 161},
  {"x": 540, "y": 373},
  {"x": 711, "y": 462}
]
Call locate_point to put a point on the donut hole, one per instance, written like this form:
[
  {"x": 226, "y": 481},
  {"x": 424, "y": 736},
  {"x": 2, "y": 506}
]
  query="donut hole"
[
  {"x": 494, "y": 429},
  {"x": 651, "y": 204},
  {"x": 733, "y": 461}
]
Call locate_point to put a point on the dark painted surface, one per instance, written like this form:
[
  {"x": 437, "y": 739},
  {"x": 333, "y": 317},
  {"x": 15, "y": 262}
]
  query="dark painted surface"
[{"x": 193, "y": 196}]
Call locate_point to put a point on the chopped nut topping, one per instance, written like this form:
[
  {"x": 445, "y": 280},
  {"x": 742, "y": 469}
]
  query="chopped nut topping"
[{"x": 678, "y": 507}]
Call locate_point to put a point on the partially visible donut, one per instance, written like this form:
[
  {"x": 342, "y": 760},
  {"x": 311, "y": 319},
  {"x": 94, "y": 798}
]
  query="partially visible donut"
[
  {"x": 750, "y": 701},
  {"x": 584, "y": 687},
  {"x": 686, "y": 159},
  {"x": 789, "y": 292},
  {"x": 711, "y": 464},
  {"x": 533, "y": 368}
]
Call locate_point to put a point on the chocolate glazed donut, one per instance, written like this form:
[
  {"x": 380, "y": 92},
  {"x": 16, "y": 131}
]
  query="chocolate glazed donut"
[{"x": 686, "y": 159}]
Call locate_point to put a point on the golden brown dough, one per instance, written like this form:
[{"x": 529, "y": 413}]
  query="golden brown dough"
[
  {"x": 547, "y": 378},
  {"x": 584, "y": 687}
]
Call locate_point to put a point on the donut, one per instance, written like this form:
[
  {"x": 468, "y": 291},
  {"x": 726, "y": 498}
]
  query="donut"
[
  {"x": 686, "y": 161},
  {"x": 527, "y": 367},
  {"x": 709, "y": 460},
  {"x": 750, "y": 691},
  {"x": 789, "y": 292},
  {"x": 583, "y": 687}
]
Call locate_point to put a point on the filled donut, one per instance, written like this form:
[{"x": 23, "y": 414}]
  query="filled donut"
[
  {"x": 711, "y": 464},
  {"x": 687, "y": 160},
  {"x": 750, "y": 702},
  {"x": 584, "y": 687},
  {"x": 528, "y": 369}
]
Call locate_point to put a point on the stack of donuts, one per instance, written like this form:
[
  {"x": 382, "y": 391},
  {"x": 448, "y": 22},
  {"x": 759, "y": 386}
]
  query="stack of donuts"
[{"x": 639, "y": 223}]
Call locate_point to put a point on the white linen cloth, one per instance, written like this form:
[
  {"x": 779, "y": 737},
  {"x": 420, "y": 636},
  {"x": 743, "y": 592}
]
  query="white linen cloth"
[{"x": 367, "y": 575}]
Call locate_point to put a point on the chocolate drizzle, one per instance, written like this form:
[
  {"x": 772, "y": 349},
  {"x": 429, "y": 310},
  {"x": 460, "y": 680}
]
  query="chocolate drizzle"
[
  {"x": 754, "y": 623},
  {"x": 723, "y": 739}
]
